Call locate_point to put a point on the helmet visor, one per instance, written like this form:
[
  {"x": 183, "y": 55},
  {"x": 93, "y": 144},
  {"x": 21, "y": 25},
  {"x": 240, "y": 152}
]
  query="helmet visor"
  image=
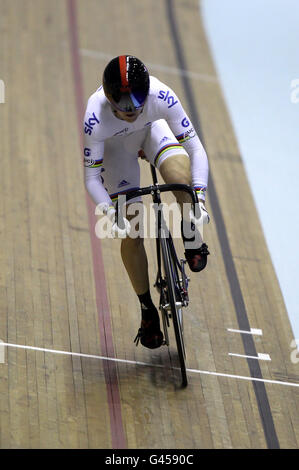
[{"x": 128, "y": 102}]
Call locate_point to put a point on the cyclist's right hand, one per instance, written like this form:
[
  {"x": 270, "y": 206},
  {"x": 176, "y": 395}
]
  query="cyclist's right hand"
[
  {"x": 201, "y": 218},
  {"x": 110, "y": 212}
]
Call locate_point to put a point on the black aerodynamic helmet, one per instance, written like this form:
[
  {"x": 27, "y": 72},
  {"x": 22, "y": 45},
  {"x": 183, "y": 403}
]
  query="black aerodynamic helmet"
[{"x": 126, "y": 83}]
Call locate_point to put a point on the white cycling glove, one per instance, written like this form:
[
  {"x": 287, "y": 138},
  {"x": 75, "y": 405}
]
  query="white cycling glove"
[
  {"x": 203, "y": 218},
  {"x": 109, "y": 211}
]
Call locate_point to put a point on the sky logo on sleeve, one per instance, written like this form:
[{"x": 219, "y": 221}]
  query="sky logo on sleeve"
[
  {"x": 89, "y": 125},
  {"x": 170, "y": 100}
]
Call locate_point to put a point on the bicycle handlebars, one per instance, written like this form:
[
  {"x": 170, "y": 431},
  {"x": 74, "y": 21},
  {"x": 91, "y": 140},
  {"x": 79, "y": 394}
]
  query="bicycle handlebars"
[{"x": 155, "y": 191}]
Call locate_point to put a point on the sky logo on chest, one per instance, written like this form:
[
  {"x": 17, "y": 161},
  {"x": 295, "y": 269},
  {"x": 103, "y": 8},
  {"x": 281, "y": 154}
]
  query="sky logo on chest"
[{"x": 166, "y": 96}]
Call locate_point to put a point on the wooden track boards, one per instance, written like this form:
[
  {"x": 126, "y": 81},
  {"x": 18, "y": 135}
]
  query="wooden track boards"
[{"x": 48, "y": 290}]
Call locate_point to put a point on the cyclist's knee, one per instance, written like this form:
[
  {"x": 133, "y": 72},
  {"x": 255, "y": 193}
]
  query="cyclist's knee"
[{"x": 176, "y": 169}]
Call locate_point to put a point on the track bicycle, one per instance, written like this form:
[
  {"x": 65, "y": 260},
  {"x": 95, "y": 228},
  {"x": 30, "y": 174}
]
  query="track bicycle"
[{"x": 171, "y": 280}]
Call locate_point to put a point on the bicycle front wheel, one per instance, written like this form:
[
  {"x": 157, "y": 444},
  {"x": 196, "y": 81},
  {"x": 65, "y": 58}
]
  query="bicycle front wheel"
[{"x": 169, "y": 270}]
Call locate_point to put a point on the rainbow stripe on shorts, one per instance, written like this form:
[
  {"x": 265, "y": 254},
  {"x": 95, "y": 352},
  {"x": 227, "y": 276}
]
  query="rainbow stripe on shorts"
[{"x": 164, "y": 150}]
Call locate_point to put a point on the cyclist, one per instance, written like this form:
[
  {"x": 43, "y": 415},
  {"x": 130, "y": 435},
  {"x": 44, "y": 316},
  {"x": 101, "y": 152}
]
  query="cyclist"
[{"x": 131, "y": 115}]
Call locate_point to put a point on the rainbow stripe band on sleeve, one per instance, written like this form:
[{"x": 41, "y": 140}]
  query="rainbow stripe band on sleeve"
[
  {"x": 97, "y": 163},
  {"x": 200, "y": 190},
  {"x": 165, "y": 149},
  {"x": 114, "y": 196},
  {"x": 183, "y": 137}
]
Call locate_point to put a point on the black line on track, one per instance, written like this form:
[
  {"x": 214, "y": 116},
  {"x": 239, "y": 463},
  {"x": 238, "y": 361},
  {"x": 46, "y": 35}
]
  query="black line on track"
[{"x": 249, "y": 346}]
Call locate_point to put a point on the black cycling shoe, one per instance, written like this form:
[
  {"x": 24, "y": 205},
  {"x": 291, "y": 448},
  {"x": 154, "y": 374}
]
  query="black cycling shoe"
[
  {"x": 149, "y": 333},
  {"x": 197, "y": 258}
]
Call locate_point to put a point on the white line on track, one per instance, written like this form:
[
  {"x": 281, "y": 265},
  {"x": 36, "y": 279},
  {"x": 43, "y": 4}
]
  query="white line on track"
[
  {"x": 260, "y": 356},
  {"x": 253, "y": 331},
  {"x": 158, "y": 67},
  {"x": 103, "y": 358}
]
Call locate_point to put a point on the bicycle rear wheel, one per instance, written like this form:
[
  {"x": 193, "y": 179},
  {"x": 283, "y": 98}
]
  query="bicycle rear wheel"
[{"x": 169, "y": 269}]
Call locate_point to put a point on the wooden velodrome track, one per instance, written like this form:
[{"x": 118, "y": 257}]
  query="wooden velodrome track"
[{"x": 63, "y": 290}]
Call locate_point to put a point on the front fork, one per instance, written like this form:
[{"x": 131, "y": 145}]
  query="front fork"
[{"x": 164, "y": 305}]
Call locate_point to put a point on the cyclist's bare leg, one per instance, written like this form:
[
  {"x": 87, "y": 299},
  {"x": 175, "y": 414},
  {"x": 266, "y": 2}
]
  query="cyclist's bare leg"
[
  {"x": 176, "y": 169},
  {"x": 135, "y": 261}
]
